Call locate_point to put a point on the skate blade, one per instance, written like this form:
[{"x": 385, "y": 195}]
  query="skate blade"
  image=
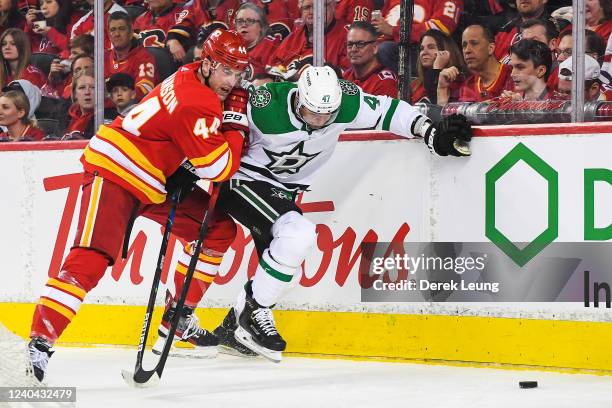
[
  {"x": 128, "y": 377},
  {"x": 245, "y": 339},
  {"x": 191, "y": 352},
  {"x": 233, "y": 352}
]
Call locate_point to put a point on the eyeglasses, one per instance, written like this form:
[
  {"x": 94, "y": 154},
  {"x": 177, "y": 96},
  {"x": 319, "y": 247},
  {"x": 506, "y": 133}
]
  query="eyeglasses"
[
  {"x": 245, "y": 21},
  {"x": 358, "y": 44},
  {"x": 567, "y": 52}
]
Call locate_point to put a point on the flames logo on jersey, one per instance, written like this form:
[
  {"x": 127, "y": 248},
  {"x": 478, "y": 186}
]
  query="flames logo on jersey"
[
  {"x": 260, "y": 98},
  {"x": 348, "y": 87},
  {"x": 153, "y": 38}
]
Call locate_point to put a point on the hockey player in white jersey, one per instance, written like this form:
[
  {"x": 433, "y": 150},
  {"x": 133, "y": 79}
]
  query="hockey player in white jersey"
[{"x": 294, "y": 129}]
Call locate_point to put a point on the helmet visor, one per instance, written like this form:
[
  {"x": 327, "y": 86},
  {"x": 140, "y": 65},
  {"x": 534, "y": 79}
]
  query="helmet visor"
[{"x": 317, "y": 120}]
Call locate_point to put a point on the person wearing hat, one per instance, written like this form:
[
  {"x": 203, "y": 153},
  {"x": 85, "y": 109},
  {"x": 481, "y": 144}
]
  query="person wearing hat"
[
  {"x": 120, "y": 87},
  {"x": 14, "y": 116},
  {"x": 594, "y": 78}
]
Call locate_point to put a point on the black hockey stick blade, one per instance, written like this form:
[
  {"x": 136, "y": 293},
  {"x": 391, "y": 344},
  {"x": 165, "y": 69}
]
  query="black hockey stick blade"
[{"x": 140, "y": 381}]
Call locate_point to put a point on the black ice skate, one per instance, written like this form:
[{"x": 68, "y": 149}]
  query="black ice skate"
[
  {"x": 188, "y": 331},
  {"x": 257, "y": 330},
  {"x": 39, "y": 356},
  {"x": 227, "y": 342}
]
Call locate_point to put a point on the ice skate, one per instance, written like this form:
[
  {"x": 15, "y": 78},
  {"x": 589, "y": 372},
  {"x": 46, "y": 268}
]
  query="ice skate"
[
  {"x": 227, "y": 341},
  {"x": 199, "y": 342},
  {"x": 257, "y": 330},
  {"x": 39, "y": 355}
]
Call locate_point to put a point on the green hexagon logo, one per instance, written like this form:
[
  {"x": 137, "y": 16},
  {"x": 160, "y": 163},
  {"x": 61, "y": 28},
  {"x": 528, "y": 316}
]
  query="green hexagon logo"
[{"x": 518, "y": 153}]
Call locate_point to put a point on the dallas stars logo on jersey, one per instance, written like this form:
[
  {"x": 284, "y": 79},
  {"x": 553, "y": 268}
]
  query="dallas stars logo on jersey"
[{"x": 288, "y": 162}]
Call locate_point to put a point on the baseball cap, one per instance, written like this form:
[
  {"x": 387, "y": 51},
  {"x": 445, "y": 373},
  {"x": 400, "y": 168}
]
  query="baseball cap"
[
  {"x": 119, "y": 79},
  {"x": 592, "y": 70}
]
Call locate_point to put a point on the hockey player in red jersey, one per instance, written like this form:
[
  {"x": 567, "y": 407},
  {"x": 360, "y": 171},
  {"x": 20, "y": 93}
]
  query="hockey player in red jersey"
[{"x": 130, "y": 167}]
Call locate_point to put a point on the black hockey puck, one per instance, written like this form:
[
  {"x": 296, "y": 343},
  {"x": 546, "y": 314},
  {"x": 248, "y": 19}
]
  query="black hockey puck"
[{"x": 528, "y": 384}]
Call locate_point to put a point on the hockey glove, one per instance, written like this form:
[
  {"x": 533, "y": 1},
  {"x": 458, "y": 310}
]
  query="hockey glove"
[
  {"x": 451, "y": 136},
  {"x": 184, "y": 178},
  {"x": 235, "y": 111}
]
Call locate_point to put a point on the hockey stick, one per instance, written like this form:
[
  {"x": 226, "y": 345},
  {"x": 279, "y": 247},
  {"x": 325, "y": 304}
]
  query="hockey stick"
[
  {"x": 156, "y": 279},
  {"x": 148, "y": 378}
]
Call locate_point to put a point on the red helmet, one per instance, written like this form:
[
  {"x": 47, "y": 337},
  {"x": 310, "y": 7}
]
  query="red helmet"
[{"x": 226, "y": 47}]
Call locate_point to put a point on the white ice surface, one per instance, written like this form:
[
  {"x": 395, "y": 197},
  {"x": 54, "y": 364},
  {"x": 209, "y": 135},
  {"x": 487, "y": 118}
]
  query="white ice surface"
[{"x": 302, "y": 382}]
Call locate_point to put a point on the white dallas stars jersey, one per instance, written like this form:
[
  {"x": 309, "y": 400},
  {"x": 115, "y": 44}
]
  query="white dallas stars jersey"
[{"x": 285, "y": 154}]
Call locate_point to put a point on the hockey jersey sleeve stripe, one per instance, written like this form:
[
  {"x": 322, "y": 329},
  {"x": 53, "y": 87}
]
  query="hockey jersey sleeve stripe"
[
  {"x": 438, "y": 25},
  {"x": 92, "y": 211},
  {"x": 131, "y": 152},
  {"x": 100, "y": 160},
  {"x": 209, "y": 158},
  {"x": 389, "y": 115},
  {"x": 61, "y": 309},
  {"x": 74, "y": 290}
]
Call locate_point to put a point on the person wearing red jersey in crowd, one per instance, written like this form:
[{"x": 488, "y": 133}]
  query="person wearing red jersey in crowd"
[
  {"x": 60, "y": 75},
  {"x": 437, "y": 52},
  {"x": 252, "y": 25},
  {"x": 531, "y": 62},
  {"x": 157, "y": 27},
  {"x": 594, "y": 81},
  {"x": 10, "y": 17},
  {"x": 598, "y": 18},
  {"x": 130, "y": 168},
  {"x": 488, "y": 78},
  {"x": 295, "y": 53},
  {"x": 49, "y": 28},
  {"x": 440, "y": 15},
  {"x": 85, "y": 25},
  {"x": 509, "y": 33},
  {"x": 365, "y": 70},
  {"x": 281, "y": 16},
  {"x": 128, "y": 56},
  {"x": 354, "y": 10},
  {"x": 15, "y": 117},
  {"x": 15, "y": 59},
  {"x": 81, "y": 112}
]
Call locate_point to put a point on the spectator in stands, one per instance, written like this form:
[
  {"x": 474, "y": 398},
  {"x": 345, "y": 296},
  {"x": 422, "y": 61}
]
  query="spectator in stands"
[
  {"x": 488, "y": 78},
  {"x": 49, "y": 28},
  {"x": 128, "y": 56},
  {"x": 122, "y": 92},
  {"x": 295, "y": 53},
  {"x": 531, "y": 62},
  {"x": 31, "y": 91},
  {"x": 10, "y": 17},
  {"x": 509, "y": 33},
  {"x": 282, "y": 14},
  {"x": 365, "y": 69},
  {"x": 15, "y": 117},
  {"x": 440, "y": 15},
  {"x": 594, "y": 80},
  {"x": 252, "y": 25},
  {"x": 85, "y": 25},
  {"x": 158, "y": 27},
  {"x": 564, "y": 49},
  {"x": 59, "y": 71},
  {"x": 594, "y": 46},
  {"x": 597, "y": 19},
  {"x": 15, "y": 58},
  {"x": 437, "y": 52},
  {"x": 541, "y": 30},
  {"x": 81, "y": 112}
]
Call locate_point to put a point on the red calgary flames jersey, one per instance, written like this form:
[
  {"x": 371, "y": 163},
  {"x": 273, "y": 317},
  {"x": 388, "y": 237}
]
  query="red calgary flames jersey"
[
  {"x": 139, "y": 64},
  {"x": 380, "y": 81},
  {"x": 354, "y": 10},
  {"x": 260, "y": 55},
  {"x": 179, "y": 118},
  {"x": 472, "y": 90},
  {"x": 440, "y": 15},
  {"x": 295, "y": 52},
  {"x": 153, "y": 29}
]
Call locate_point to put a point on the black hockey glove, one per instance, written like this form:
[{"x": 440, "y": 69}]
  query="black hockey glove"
[
  {"x": 184, "y": 178},
  {"x": 450, "y": 136}
]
